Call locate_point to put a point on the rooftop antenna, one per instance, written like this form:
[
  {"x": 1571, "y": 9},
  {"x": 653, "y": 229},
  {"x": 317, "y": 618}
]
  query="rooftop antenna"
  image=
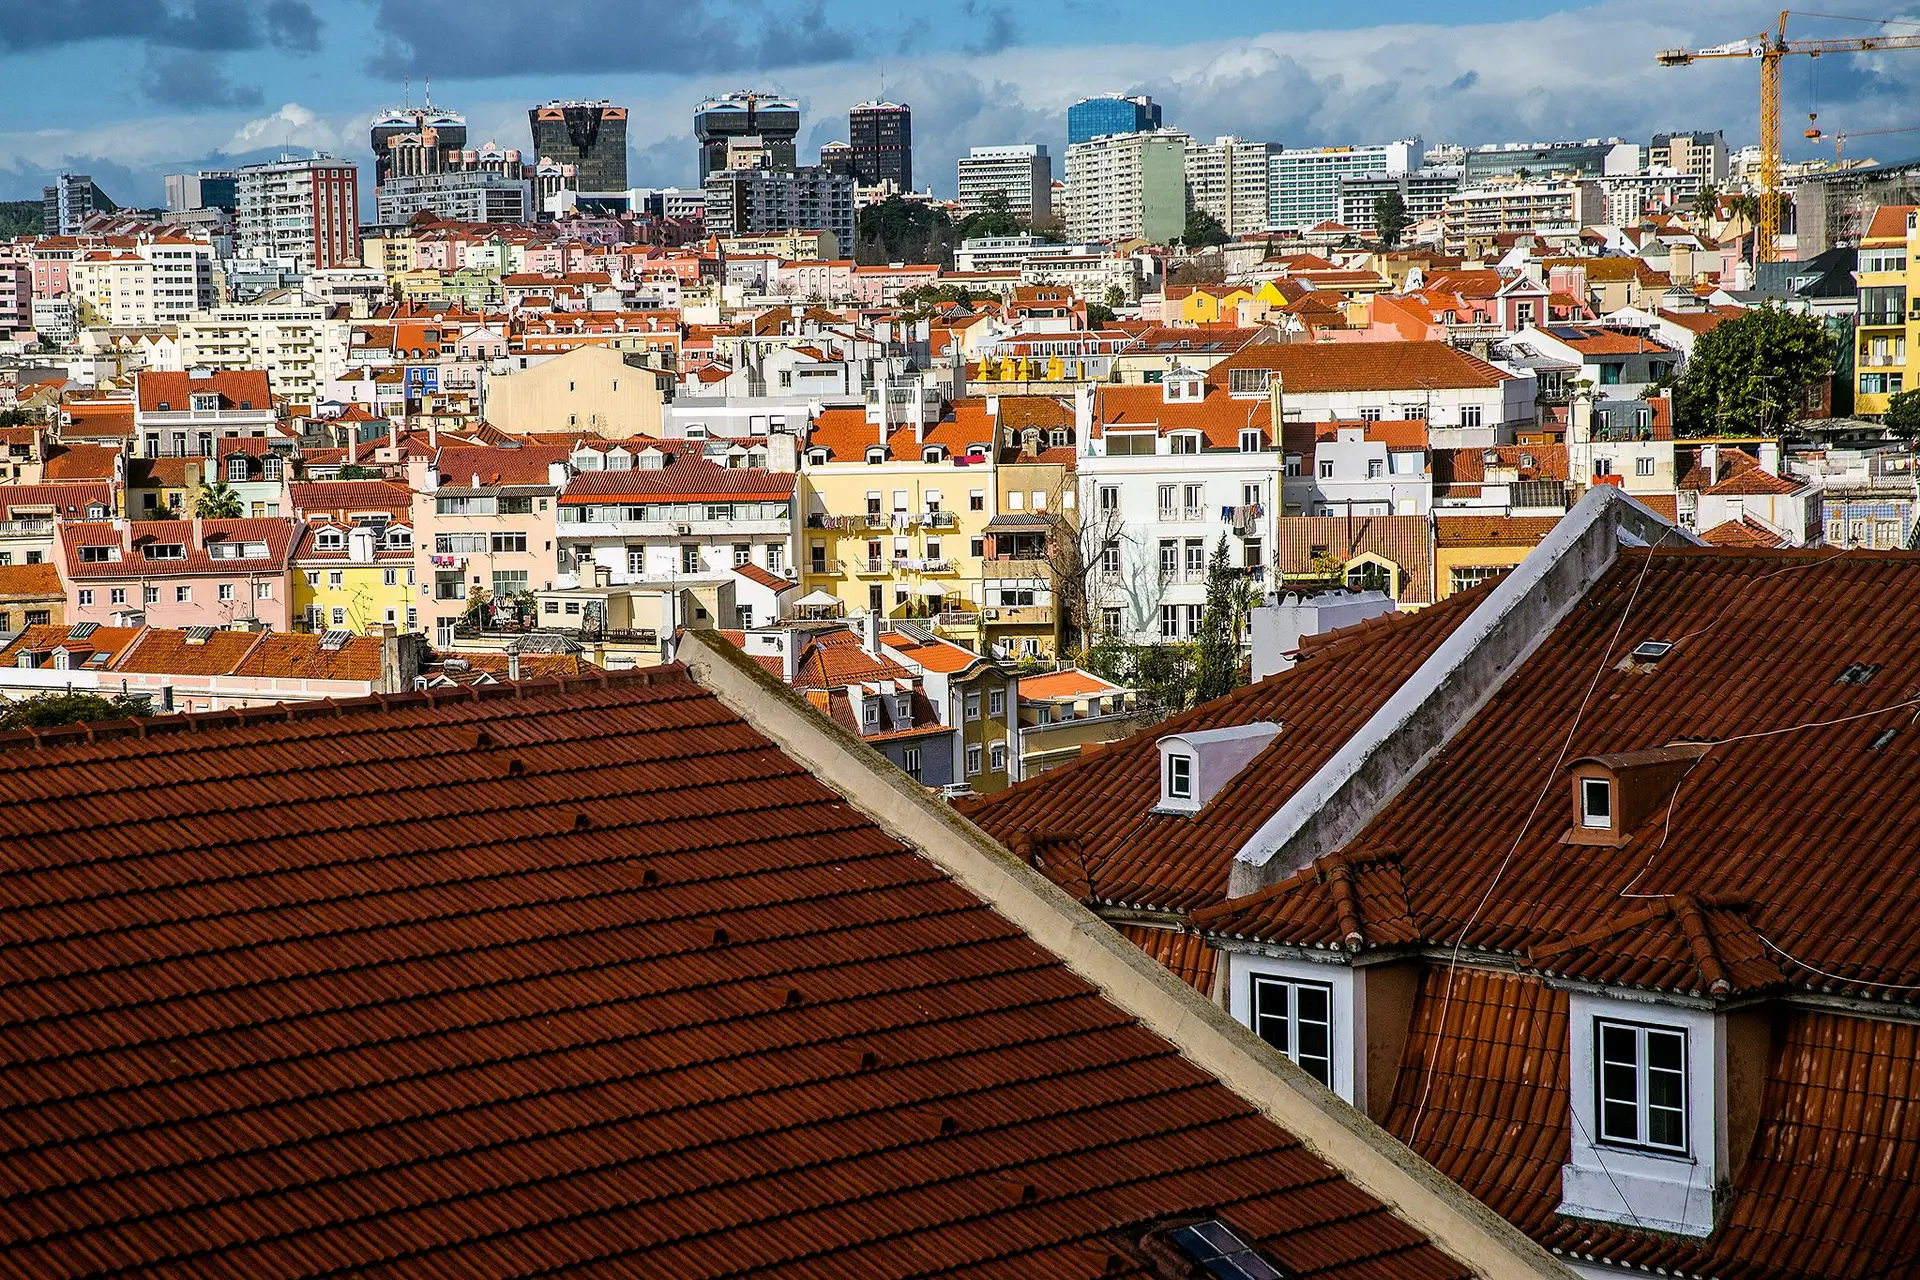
[{"x": 407, "y": 92}]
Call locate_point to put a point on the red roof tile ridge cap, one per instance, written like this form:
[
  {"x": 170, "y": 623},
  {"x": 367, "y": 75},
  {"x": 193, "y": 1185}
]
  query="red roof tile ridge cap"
[
  {"x": 1339, "y": 879},
  {"x": 1611, "y": 927},
  {"x": 1693, "y": 927}
]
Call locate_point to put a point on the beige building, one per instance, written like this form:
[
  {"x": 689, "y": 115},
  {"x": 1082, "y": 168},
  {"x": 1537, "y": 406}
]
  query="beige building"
[
  {"x": 159, "y": 280},
  {"x": 289, "y": 336},
  {"x": 1228, "y": 179},
  {"x": 590, "y": 389}
]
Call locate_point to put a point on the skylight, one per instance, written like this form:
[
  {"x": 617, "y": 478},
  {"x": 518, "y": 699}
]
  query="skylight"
[
  {"x": 1651, "y": 650},
  {"x": 1221, "y": 1252}
]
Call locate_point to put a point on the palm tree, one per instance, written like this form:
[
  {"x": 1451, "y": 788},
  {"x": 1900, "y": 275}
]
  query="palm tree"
[
  {"x": 1706, "y": 202},
  {"x": 216, "y": 501}
]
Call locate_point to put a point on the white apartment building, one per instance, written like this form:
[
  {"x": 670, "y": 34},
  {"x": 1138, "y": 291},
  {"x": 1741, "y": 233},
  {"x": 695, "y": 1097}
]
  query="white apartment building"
[
  {"x": 294, "y": 339},
  {"x": 1303, "y": 184},
  {"x": 1662, "y": 187},
  {"x": 306, "y": 212},
  {"x": 158, "y": 280},
  {"x": 1128, "y": 186},
  {"x": 1228, "y": 179},
  {"x": 1701, "y": 155},
  {"x": 1360, "y": 469},
  {"x": 1425, "y": 192},
  {"x": 1561, "y": 205},
  {"x": 1023, "y": 174}
]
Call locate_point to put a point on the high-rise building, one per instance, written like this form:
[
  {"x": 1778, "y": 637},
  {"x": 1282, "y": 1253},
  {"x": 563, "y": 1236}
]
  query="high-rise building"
[
  {"x": 1303, "y": 184},
  {"x": 1090, "y": 118},
  {"x": 882, "y": 138},
  {"x": 1702, "y": 155},
  {"x": 590, "y": 136},
  {"x": 835, "y": 157},
  {"x": 1023, "y": 174},
  {"x": 1425, "y": 193},
  {"x": 449, "y": 129},
  {"x": 306, "y": 212},
  {"x": 66, "y": 205},
  {"x": 762, "y": 201},
  {"x": 207, "y": 189},
  {"x": 1128, "y": 186},
  {"x": 1592, "y": 158},
  {"x": 488, "y": 185},
  {"x": 1228, "y": 179},
  {"x": 774, "y": 120}
]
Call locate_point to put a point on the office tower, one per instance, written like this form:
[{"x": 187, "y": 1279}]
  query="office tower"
[
  {"x": 590, "y": 136},
  {"x": 835, "y": 157},
  {"x": 66, "y": 205},
  {"x": 449, "y": 129},
  {"x": 1111, "y": 113},
  {"x": 207, "y": 189},
  {"x": 882, "y": 137},
  {"x": 488, "y": 185},
  {"x": 742, "y": 202},
  {"x": 731, "y": 116},
  {"x": 1023, "y": 174},
  {"x": 1228, "y": 179},
  {"x": 306, "y": 212},
  {"x": 1701, "y": 155},
  {"x": 1303, "y": 184},
  {"x": 1128, "y": 186}
]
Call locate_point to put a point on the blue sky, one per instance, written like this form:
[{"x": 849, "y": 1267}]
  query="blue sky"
[{"x": 132, "y": 89}]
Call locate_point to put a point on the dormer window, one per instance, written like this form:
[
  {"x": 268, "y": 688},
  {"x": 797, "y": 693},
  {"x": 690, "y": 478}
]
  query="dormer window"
[
  {"x": 1197, "y": 766},
  {"x": 272, "y": 467},
  {"x": 1614, "y": 794},
  {"x": 1596, "y": 804},
  {"x": 876, "y": 456},
  {"x": 1642, "y": 1086},
  {"x": 932, "y": 453},
  {"x": 1178, "y": 782},
  {"x": 205, "y": 403},
  {"x": 329, "y": 540},
  {"x": 237, "y": 468},
  {"x": 816, "y": 457}
]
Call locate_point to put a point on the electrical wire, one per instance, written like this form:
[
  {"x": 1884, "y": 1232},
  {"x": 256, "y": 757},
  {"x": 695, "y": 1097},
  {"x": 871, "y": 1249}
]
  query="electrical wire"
[{"x": 1852, "y": 982}]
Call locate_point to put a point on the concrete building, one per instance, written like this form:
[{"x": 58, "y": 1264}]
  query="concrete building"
[
  {"x": 461, "y": 195},
  {"x": 1023, "y": 174},
  {"x": 1594, "y": 158},
  {"x": 1228, "y": 178},
  {"x": 590, "y": 136},
  {"x": 298, "y": 342},
  {"x": 1304, "y": 183},
  {"x": 1702, "y": 155},
  {"x": 764, "y": 200},
  {"x": 1511, "y": 205},
  {"x": 1887, "y": 329},
  {"x": 1128, "y": 186},
  {"x": 305, "y": 212},
  {"x": 69, "y": 202},
  {"x": 158, "y": 280},
  {"x": 1110, "y": 113},
  {"x": 769, "y": 119},
  {"x": 591, "y": 389},
  {"x": 184, "y": 415},
  {"x": 178, "y": 573},
  {"x": 1424, "y": 191},
  {"x": 207, "y": 189},
  {"x": 448, "y": 128},
  {"x": 881, "y": 135}
]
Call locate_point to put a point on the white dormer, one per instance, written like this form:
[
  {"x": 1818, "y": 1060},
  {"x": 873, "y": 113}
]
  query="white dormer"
[
  {"x": 1195, "y": 767},
  {"x": 1183, "y": 386}
]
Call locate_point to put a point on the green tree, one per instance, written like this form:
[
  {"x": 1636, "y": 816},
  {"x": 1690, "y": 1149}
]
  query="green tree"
[
  {"x": 1217, "y": 664},
  {"x": 1160, "y": 675},
  {"x": 1203, "y": 230},
  {"x": 1098, "y": 314},
  {"x": 1390, "y": 217},
  {"x": 15, "y": 417},
  {"x": 1115, "y": 297},
  {"x": 996, "y": 219},
  {"x": 47, "y": 710},
  {"x": 216, "y": 501},
  {"x": 897, "y": 230},
  {"x": 1751, "y": 374},
  {"x": 1902, "y": 417},
  {"x": 353, "y": 471}
]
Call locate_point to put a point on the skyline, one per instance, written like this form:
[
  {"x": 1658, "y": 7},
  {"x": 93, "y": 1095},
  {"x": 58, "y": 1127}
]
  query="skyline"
[{"x": 203, "y": 76}]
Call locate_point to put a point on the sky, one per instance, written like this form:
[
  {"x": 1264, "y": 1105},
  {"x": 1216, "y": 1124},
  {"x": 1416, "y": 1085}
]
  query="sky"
[{"x": 130, "y": 90}]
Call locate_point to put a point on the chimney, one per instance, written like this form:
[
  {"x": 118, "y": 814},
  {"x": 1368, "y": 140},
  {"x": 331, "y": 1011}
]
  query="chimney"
[
  {"x": 513, "y": 664},
  {"x": 1710, "y": 463},
  {"x": 353, "y": 446},
  {"x": 870, "y": 632},
  {"x": 199, "y": 532},
  {"x": 476, "y": 479},
  {"x": 393, "y": 437}
]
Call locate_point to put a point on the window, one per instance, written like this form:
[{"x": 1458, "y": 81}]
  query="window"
[
  {"x": 1109, "y": 499},
  {"x": 96, "y": 555},
  {"x": 1297, "y": 1019},
  {"x": 689, "y": 558},
  {"x": 1469, "y": 415},
  {"x": 183, "y": 595},
  {"x": 1467, "y": 577},
  {"x": 870, "y": 713},
  {"x": 339, "y": 617},
  {"x": 1169, "y": 622},
  {"x": 776, "y": 557},
  {"x": 1643, "y": 466},
  {"x": 1179, "y": 777},
  {"x": 116, "y": 595},
  {"x": 910, "y": 762},
  {"x": 973, "y": 706},
  {"x": 1196, "y": 558},
  {"x": 742, "y": 553},
  {"x": 997, "y": 757},
  {"x": 1183, "y": 442},
  {"x": 1596, "y": 803},
  {"x": 1250, "y": 441},
  {"x": 976, "y": 499},
  {"x": 976, "y": 547},
  {"x": 1110, "y": 558},
  {"x": 389, "y": 577},
  {"x": 1326, "y": 468},
  {"x": 237, "y": 468},
  {"x": 1293, "y": 466},
  {"x": 86, "y": 597},
  {"x": 273, "y": 467},
  {"x": 336, "y": 578},
  {"x": 1603, "y": 467},
  {"x": 1610, "y": 371},
  {"x": 996, "y": 702},
  {"x": 1376, "y": 467},
  {"x": 973, "y": 760},
  {"x": 1110, "y": 621},
  {"x": 263, "y": 591},
  {"x": 225, "y": 591},
  {"x": 509, "y": 542},
  {"x": 1641, "y": 1091},
  {"x": 1167, "y": 492},
  {"x": 516, "y": 506}
]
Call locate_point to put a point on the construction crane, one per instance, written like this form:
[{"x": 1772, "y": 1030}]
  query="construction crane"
[
  {"x": 1770, "y": 47},
  {"x": 1840, "y": 139}
]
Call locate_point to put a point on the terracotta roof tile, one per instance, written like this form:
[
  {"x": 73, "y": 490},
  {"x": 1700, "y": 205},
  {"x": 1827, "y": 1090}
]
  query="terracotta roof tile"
[
  {"x": 72, "y": 462},
  {"x": 1186, "y": 954},
  {"x": 67, "y": 501},
  {"x": 1491, "y": 531},
  {"x": 1310, "y": 367},
  {"x": 1406, "y": 541},
  {"x": 29, "y": 580},
  {"x": 235, "y": 387}
]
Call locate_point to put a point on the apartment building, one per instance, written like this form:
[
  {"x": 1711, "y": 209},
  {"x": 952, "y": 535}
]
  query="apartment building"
[
  {"x": 185, "y": 415},
  {"x": 1520, "y": 205},
  {"x": 304, "y": 212},
  {"x": 763, "y": 201},
  {"x": 1356, "y": 468},
  {"x": 1887, "y": 330},
  {"x": 1228, "y": 178},
  {"x": 1128, "y": 186},
  {"x": 1303, "y": 184},
  {"x": 354, "y": 567},
  {"x": 178, "y": 573},
  {"x": 483, "y": 525},
  {"x": 1700, "y": 155},
  {"x": 157, "y": 280},
  {"x": 1424, "y": 191},
  {"x": 298, "y": 342},
  {"x": 1023, "y": 174}
]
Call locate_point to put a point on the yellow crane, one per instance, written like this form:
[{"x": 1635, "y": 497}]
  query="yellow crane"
[
  {"x": 1770, "y": 47},
  {"x": 1840, "y": 139}
]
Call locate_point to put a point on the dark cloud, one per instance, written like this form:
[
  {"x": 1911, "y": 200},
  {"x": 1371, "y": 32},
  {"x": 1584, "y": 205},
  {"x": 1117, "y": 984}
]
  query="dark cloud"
[
  {"x": 635, "y": 36},
  {"x": 200, "y": 25},
  {"x": 992, "y": 27},
  {"x": 178, "y": 78}
]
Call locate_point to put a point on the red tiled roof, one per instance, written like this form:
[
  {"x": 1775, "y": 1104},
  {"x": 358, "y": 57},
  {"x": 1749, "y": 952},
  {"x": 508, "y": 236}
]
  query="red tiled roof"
[
  {"x": 1491, "y": 531},
  {"x": 80, "y": 462},
  {"x": 1744, "y": 532},
  {"x": 771, "y": 581},
  {"x": 1607, "y": 342},
  {"x": 933, "y": 655},
  {"x": 520, "y": 465},
  {"x": 1071, "y": 683},
  {"x": 846, "y": 434},
  {"x": 513, "y": 1015},
  {"x": 1889, "y": 225},
  {"x": 1407, "y": 541},
  {"x": 160, "y": 651},
  {"x": 1310, "y": 367},
  {"x": 235, "y": 387},
  {"x": 276, "y": 532},
  {"x": 69, "y": 501},
  {"x": 29, "y": 580},
  {"x": 1186, "y": 954},
  {"x": 1219, "y": 417},
  {"x": 302, "y": 657},
  {"x": 323, "y": 497},
  {"x": 1469, "y": 466}
]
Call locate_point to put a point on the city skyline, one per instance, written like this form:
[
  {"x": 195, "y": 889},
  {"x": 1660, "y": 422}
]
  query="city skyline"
[{"x": 202, "y": 84}]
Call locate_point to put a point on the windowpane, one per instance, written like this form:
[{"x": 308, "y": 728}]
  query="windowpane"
[{"x": 1270, "y": 1020}]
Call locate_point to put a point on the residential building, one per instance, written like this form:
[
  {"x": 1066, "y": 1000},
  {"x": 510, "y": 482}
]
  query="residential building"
[
  {"x": 1023, "y": 174},
  {"x": 304, "y": 212},
  {"x": 1587, "y": 160},
  {"x": 1517, "y": 206},
  {"x": 484, "y": 531},
  {"x": 1471, "y": 549},
  {"x": 157, "y": 280},
  {"x": 70, "y": 202},
  {"x": 207, "y": 189},
  {"x": 1228, "y": 178},
  {"x": 590, "y": 136},
  {"x": 974, "y": 696},
  {"x": 594, "y": 390},
  {"x": 1128, "y": 186},
  {"x": 354, "y": 566},
  {"x": 16, "y": 295},
  {"x": 1356, "y": 468},
  {"x": 30, "y": 595},
  {"x": 1303, "y": 184},
  {"x": 1700, "y": 155},
  {"x": 1388, "y": 557},
  {"x": 1617, "y": 362},
  {"x": 299, "y": 342},
  {"x": 1064, "y": 713},
  {"x": 1111, "y": 113},
  {"x": 881, "y": 135},
  {"x": 917, "y": 976},
  {"x": 457, "y": 195},
  {"x": 770, "y": 121},
  {"x": 178, "y": 573},
  {"x": 181, "y": 415},
  {"x": 766, "y": 201},
  {"x": 1424, "y": 192},
  {"x": 1722, "y": 484},
  {"x": 1886, "y": 357}
]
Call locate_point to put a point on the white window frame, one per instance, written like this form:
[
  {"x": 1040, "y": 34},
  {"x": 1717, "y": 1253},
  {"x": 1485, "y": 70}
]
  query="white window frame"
[
  {"x": 1177, "y": 783},
  {"x": 1591, "y": 818},
  {"x": 973, "y": 760},
  {"x": 1266, "y": 989},
  {"x": 1609, "y": 1108}
]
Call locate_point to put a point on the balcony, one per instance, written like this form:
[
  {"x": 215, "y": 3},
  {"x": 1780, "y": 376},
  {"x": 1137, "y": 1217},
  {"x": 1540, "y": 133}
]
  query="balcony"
[
  {"x": 939, "y": 519},
  {"x": 25, "y": 528},
  {"x": 1881, "y": 319},
  {"x": 828, "y": 568},
  {"x": 873, "y": 568},
  {"x": 956, "y": 621},
  {"x": 1016, "y": 567},
  {"x": 1032, "y": 615}
]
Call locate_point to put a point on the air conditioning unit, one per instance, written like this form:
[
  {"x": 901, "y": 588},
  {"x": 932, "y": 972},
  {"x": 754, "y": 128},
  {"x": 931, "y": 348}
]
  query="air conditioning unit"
[{"x": 683, "y": 529}]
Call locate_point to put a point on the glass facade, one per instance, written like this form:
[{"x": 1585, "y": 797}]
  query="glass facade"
[{"x": 1092, "y": 117}]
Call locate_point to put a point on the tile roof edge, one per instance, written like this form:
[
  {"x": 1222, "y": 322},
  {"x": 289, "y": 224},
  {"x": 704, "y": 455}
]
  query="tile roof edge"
[{"x": 1126, "y": 976}]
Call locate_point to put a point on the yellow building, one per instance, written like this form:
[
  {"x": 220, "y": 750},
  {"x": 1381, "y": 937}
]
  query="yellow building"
[
  {"x": 1203, "y": 304},
  {"x": 1470, "y": 549},
  {"x": 590, "y": 388},
  {"x": 353, "y": 568},
  {"x": 1888, "y": 331}
]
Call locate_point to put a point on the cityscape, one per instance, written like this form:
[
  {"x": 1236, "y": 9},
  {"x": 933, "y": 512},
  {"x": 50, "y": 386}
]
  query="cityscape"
[{"x": 924, "y": 647}]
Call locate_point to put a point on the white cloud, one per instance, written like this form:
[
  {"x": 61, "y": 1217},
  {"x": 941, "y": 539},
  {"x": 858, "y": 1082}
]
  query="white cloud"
[{"x": 291, "y": 126}]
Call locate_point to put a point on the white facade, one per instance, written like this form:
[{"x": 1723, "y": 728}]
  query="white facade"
[
  {"x": 1023, "y": 174},
  {"x": 299, "y": 345},
  {"x": 157, "y": 281},
  {"x": 1502, "y": 207},
  {"x": 1304, "y": 183},
  {"x": 304, "y": 211},
  {"x": 1127, "y": 186},
  {"x": 1228, "y": 179},
  {"x": 1425, "y": 191},
  {"x": 1352, "y": 474}
]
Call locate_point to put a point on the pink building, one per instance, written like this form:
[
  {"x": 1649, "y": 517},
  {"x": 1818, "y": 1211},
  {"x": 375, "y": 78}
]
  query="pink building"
[
  {"x": 178, "y": 573},
  {"x": 882, "y": 286},
  {"x": 829, "y": 280},
  {"x": 484, "y": 521}
]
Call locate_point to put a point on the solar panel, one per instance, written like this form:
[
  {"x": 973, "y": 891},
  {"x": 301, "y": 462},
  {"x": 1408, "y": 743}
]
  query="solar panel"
[
  {"x": 1565, "y": 334},
  {"x": 200, "y": 635},
  {"x": 914, "y": 631},
  {"x": 1215, "y": 1246},
  {"x": 335, "y": 639},
  {"x": 81, "y": 630}
]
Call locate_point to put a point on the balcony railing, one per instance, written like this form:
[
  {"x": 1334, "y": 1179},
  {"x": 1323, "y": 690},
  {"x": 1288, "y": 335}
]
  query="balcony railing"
[
  {"x": 1031, "y": 615},
  {"x": 871, "y": 566},
  {"x": 1868, "y": 318},
  {"x": 826, "y": 568},
  {"x": 25, "y": 528},
  {"x": 957, "y": 620}
]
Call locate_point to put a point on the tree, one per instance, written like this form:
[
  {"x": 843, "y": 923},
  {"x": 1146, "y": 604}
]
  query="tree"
[
  {"x": 216, "y": 501},
  {"x": 353, "y": 471},
  {"x": 1217, "y": 665},
  {"x": 1902, "y": 417},
  {"x": 1203, "y": 231},
  {"x": 47, "y": 710},
  {"x": 997, "y": 218},
  {"x": 1160, "y": 675},
  {"x": 1751, "y": 374},
  {"x": 1390, "y": 217},
  {"x": 1207, "y": 270},
  {"x": 1706, "y": 202},
  {"x": 1115, "y": 297},
  {"x": 1050, "y": 227},
  {"x": 1098, "y": 314},
  {"x": 897, "y": 230}
]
